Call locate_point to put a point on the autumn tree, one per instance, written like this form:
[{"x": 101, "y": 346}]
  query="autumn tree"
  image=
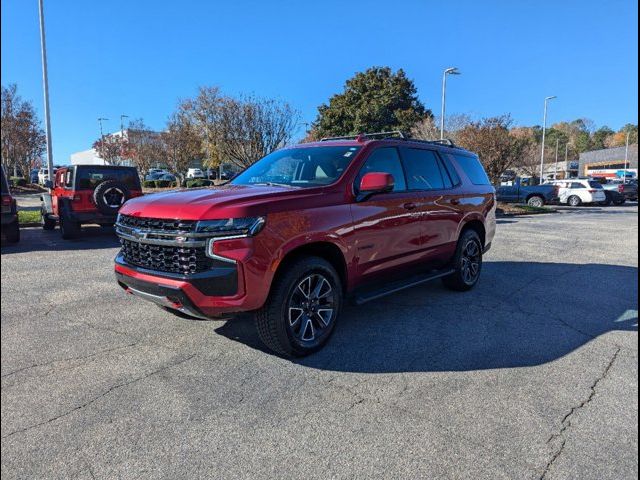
[
  {"x": 372, "y": 101},
  {"x": 113, "y": 149},
  {"x": 429, "y": 127},
  {"x": 239, "y": 130},
  {"x": 145, "y": 146},
  {"x": 181, "y": 144},
  {"x": 491, "y": 140},
  {"x": 22, "y": 139}
]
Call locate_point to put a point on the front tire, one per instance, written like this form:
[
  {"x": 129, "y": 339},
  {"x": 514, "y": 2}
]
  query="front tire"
[
  {"x": 68, "y": 228},
  {"x": 467, "y": 263},
  {"x": 47, "y": 222},
  {"x": 303, "y": 306},
  {"x": 12, "y": 232}
]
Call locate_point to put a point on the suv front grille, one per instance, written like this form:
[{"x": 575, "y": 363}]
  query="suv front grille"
[
  {"x": 160, "y": 224},
  {"x": 183, "y": 260},
  {"x": 158, "y": 244}
]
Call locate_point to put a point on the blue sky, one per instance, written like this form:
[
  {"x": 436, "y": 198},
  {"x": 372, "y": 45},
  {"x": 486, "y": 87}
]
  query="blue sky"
[{"x": 139, "y": 57}]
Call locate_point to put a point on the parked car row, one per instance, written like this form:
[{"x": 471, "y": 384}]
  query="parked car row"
[{"x": 572, "y": 192}]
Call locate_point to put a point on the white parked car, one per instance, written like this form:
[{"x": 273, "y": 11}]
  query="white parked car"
[
  {"x": 195, "y": 173},
  {"x": 42, "y": 174},
  {"x": 576, "y": 191}
]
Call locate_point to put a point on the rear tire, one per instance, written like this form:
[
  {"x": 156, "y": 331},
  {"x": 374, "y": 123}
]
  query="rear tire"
[
  {"x": 622, "y": 201},
  {"x": 12, "y": 232},
  {"x": 574, "y": 201},
  {"x": 467, "y": 263},
  {"x": 300, "y": 314},
  {"x": 536, "y": 201}
]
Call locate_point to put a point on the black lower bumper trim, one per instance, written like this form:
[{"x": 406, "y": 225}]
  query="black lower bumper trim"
[{"x": 220, "y": 281}]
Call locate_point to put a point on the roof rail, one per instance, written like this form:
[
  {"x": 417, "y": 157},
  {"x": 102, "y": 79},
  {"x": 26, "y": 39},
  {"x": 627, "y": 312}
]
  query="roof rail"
[
  {"x": 363, "y": 136},
  {"x": 393, "y": 134}
]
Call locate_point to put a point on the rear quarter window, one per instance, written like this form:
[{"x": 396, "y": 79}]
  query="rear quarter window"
[{"x": 472, "y": 167}]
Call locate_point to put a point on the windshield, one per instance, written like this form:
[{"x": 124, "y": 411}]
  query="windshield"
[{"x": 299, "y": 167}]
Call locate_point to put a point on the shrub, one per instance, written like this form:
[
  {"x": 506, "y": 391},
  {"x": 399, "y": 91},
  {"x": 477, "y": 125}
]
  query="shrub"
[
  {"x": 163, "y": 183},
  {"x": 18, "y": 181},
  {"x": 199, "y": 183},
  {"x": 149, "y": 184}
]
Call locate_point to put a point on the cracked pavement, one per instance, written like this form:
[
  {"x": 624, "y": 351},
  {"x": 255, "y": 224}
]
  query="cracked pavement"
[{"x": 532, "y": 375}]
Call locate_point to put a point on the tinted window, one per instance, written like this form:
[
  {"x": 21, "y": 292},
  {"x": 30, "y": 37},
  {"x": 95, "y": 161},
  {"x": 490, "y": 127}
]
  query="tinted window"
[
  {"x": 577, "y": 185},
  {"x": 299, "y": 167},
  {"x": 90, "y": 177},
  {"x": 473, "y": 168},
  {"x": 385, "y": 160},
  {"x": 596, "y": 185},
  {"x": 423, "y": 169},
  {"x": 453, "y": 174}
]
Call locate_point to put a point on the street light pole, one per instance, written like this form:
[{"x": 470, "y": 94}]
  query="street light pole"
[
  {"x": 555, "y": 173},
  {"x": 544, "y": 132},
  {"x": 448, "y": 71},
  {"x": 45, "y": 87},
  {"x": 626, "y": 158},
  {"x": 100, "y": 120}
]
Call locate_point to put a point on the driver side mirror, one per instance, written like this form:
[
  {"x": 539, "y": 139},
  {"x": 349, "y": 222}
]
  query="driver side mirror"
[
  {"x": 375, "y": 182},
  {"x": 48, "y": 184}
]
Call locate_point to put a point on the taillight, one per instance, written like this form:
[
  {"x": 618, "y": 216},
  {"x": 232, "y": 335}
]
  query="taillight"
[
  {"x": 6, "y": 200},
  {"x": 593, "y": 190},
  {"x": 620, "y": 188}
]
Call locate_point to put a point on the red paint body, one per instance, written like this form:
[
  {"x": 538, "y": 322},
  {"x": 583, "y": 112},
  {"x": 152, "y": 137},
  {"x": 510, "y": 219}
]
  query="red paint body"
[{"x": 380, "y": 236}]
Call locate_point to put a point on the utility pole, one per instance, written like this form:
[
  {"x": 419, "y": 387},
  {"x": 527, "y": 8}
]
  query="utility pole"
[
  {"x": 544, "y": 132},
  {"x": 45, "y": 87}
]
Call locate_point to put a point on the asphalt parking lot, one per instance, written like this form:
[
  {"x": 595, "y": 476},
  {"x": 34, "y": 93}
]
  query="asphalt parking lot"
[{"x": 534, "y": 374}]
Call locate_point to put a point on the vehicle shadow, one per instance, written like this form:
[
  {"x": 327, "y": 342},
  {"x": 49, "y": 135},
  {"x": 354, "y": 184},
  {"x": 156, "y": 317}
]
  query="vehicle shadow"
[
  {"x": 36, "y": 239},
  {"x": 517, "y": 316}
]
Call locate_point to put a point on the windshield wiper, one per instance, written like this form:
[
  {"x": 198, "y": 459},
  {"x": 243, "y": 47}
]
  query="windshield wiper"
[{"x": 274, "y": 184}]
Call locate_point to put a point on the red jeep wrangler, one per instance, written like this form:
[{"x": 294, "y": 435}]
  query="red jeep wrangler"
[
  {"x": 87, "y": 194},
  {"x": 307, "y": 227},
  {"x": 10, "y": 222}
]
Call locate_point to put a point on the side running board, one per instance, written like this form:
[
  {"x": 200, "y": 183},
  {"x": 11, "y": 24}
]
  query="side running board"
[{"x": 393, "y": 287}]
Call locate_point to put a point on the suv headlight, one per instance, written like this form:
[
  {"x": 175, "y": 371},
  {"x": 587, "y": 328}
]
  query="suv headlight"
[{"x": 248, "y": 226}]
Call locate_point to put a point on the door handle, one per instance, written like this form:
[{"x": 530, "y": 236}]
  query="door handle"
[{"x": 409, "y": 206}]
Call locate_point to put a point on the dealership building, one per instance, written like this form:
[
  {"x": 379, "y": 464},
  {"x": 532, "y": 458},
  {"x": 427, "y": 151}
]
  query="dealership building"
[{"x": 609, "y": 162}]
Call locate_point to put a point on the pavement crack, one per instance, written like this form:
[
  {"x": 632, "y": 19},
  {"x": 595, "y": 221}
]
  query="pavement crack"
[
  {"x": 566, "y": 421},
  {"x": 104, "y": 394},
  {"x": 70, "y": 359}
]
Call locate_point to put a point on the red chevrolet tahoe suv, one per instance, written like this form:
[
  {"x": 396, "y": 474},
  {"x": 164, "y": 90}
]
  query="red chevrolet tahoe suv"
[{"x": 307, "y": 227}]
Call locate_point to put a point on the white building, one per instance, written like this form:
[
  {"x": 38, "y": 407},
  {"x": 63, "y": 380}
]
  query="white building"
[{"x": 86, "y": 157}]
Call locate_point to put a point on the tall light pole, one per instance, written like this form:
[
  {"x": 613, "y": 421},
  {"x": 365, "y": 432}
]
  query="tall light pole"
[
  {"x": 544, "y": 133},
  {"x": 45, "y": 87},
  {"x": 626, "y": 158},
  {"x": 100, "y": 120},
  {"x": 448, "y": 71},
  {"x": 122, "y": 117}
]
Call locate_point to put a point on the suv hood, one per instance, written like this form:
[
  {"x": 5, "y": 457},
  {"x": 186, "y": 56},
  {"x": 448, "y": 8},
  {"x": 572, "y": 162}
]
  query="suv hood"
[{"x": 232, "y": 201}]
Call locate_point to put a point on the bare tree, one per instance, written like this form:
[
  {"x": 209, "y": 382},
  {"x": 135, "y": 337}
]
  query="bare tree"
[
  {"x": 145, "y": 146},
  {"x": 429, "y": 128},
  {"x": 239, "y": 130},
  {"x": 22, "y": 140},
  {"x": 113, "y": 149},
  {"x": 497, "y": 148},
  {"x": 181, "y": 144}
]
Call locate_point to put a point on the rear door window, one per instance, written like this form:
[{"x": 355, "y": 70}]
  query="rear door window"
[
  {"x": 577, "y": 185},
  {"x": 423, "y": 169},
  {"x": 473, "y": 169}
]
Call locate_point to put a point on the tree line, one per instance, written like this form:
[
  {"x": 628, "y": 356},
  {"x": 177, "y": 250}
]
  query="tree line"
[{"x": 216, "y": 128}]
